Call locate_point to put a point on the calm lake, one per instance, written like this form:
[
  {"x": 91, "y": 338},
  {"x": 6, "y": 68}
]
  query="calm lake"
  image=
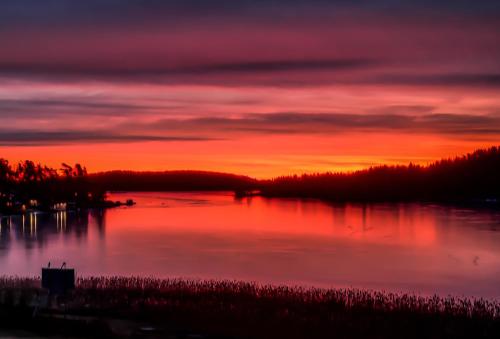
[{"x": 397, "y": 247}]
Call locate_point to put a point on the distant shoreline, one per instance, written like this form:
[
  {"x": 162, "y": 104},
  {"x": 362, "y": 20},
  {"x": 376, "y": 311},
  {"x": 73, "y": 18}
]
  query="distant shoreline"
[
  {"x": 470, "y": 179},
  {"x": 102, "y": 205}
]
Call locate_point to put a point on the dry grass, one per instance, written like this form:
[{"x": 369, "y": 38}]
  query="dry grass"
[{"x": 248, "y": 310}]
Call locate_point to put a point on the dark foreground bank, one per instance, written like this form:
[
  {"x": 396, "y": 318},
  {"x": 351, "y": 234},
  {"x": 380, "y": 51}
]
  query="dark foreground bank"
[{"x": 153, "y": 308}]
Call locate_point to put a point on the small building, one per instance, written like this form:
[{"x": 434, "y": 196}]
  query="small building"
[
  {"x": 60, "y": 206},
  {"x": 58, "y": 280}
]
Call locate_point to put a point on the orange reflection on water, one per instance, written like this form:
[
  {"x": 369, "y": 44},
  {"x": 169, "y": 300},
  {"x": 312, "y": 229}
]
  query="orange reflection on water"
[
  {"x": 188, "y": 212},
  {"x": 399, "y": 247}
]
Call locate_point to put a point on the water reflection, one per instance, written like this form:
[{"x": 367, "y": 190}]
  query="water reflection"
[
  {"x": 39, "y": 230},
  {"x": 409, "y": 247}
]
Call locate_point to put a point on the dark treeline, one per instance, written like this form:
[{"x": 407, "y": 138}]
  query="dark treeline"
[
  {"x": 28, "y": 185},
  {"x": 171, "y": 181},
  {"x": 467, "y": 178},
  {"x": 474, "y": 176}
]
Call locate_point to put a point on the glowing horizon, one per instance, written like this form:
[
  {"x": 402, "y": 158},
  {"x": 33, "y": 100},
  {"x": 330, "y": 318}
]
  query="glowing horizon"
[{"x": 98, "y": 162}]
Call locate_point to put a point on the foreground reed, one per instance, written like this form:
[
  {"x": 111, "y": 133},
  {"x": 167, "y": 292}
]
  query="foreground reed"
[{"x": 248, "y": 310}]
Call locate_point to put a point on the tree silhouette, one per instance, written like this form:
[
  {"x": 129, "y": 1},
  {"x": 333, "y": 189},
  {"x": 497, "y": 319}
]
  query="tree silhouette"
[
  {"x": 28, "y": 182},
  {"x": 471, "y": 177},
  {"x": 67, "y": 170}
]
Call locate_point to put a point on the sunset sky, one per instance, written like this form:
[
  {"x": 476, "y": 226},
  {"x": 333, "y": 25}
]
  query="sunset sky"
[{"x": 255, "y": 87}]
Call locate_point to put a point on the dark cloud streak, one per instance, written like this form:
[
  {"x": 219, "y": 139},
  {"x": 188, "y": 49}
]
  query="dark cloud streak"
[
  {"x": 31, "y": 108},
  {"x": 313, "y": 123},
  {"x": 44, "y": 138},
  {"x": 463, "y": 79},
  {"x": 145, "y": 70},
  {"x": 284, "y": 65},
  {"x": 212, "y": 128},
  {"x": 281, "y": 73}
]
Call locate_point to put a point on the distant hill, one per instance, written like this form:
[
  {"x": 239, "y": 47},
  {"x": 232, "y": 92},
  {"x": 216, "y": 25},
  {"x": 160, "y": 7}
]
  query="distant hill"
[
  {"x": 475, "y": 176},
  {"x": 171, "y": 181}
]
